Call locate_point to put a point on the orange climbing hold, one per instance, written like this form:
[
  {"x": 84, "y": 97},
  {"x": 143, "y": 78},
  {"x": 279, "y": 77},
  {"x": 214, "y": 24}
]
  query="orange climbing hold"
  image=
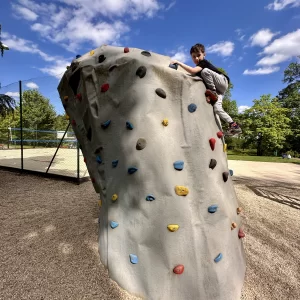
[
  {"x": 66, "y": 98},
  {"x": 233, "y": 225},
  {"x": 212, "y": 143},
  {"x": 178, "y": 269},
  {"x": 239, "y": 210}
]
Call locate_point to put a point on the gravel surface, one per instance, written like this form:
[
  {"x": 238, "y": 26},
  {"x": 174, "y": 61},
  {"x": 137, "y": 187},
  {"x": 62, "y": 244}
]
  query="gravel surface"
[{"x": 49, "y": 236}]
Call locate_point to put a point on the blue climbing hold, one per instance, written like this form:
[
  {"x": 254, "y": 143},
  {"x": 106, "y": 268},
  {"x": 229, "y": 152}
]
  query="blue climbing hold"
[
  {"x": 192, "y": 107},
  {"x": 99, "y": 160},
  {"x": 133, "y": 259},
  {"x": 178, "y": 165},
  {"x": 105, "y": 124},
  {"x": 132, "y": 170},
  {"x": 218, "y": 258},
  {"x": 115, "y": 163},
  {"x": 77, "y": 56},
  {"x": 129, "y": 125},
  {"x": 114, "y": 224},
  {"x": 150, "y": 197},
  {"x": 173, "y": 66},
  {"x": 231, "y": 172},
  {"x": 212, "y": 209}
]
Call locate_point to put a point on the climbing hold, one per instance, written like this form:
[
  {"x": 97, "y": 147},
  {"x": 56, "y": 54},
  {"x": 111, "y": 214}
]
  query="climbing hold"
[
  {"x": 114, "y": 163},
  {"x": 141, "y": 144},
  {"x": 84, "y": 159},
  {"x": 89, "y": 134},
  {"x": 133, "y": 259},
  {"x": 141, "y": 71},
  {"x": 218, "y": 258},
  {"x": 161, "y": 93},
  {"x": 104, "y": 87},
  {"x": 219, "y": 134},
  {"x": 132, "y": 170},
  {"x": 150, "y": 197},
  {"x": 239, "y": 210},
  {"x": 224, "y": 147},
  {"x": 225, "y": 176},
  {"x": 67, "y": 117},
  {"x": 231, "y": 172},
  {"x": 129, "y": 125},
  {"x": 165, "y": 122},
  {"x": 173, "y": 227},
  {"x": 79, "y": 97},
  {"x": 100, "y": 203},
  {"x": 181, "y": 190},
  {"x": 105, "y": 124},
  {"x": 178, "y": 165},
  {"x": 78, "y": 56},
  {"x": 212, "y": 163},
  {"x": 101, "y": 58},
  {"x": 241, "y": 233},
  {"x": 173, "y": 66},
  {"x": 126, "y": 50},
  {"x": 178, "y": 269},
  {"x": 146, "y": 53},
  {"x": 212, "y": 143},
  {"x": 98, "y": 159},
  {"x": 212, "y": 209},
  {"x": 192, "y": 107},
  {"x": 92, "y": 52},
  {"x": 114, "y": 197},
  {"x": 93, "y": 180},
  {"x": 233, "y": 225},
  {"x": 114, "y": 224},
  {"x": 66, "y": 98},
  {"x": 67, "y": 67},
  {"x": 73, "y": 122}
]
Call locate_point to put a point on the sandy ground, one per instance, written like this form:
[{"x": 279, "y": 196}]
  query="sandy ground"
[{"x": 49, "y": 236}]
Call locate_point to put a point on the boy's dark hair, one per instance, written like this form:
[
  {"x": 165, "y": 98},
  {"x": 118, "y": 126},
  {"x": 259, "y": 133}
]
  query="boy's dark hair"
[{"x": 197, "y": 48}]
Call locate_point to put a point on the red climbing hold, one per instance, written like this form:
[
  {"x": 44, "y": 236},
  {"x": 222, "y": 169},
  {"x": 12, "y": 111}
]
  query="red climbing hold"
[
  {"x": 126, "y": 50},
  {"x": 212, "y": 143},
  {"x": 178, "y": 269},
  {"x": 73, "y": 122},
  {"x": 219, "y": 134},
  {"x": 84, "y": 159},
  {"x": 79, "y": 97},
  {"x": 241, "y": 233},
  {"x": 104, "y": 87}
]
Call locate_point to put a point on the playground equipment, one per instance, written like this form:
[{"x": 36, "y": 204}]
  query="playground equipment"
[{"x": 169, "y": 220}]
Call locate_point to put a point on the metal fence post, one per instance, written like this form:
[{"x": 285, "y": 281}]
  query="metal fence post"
[
  {"x": 21, "y": 124},
  {"x": 78, "y": 164}
]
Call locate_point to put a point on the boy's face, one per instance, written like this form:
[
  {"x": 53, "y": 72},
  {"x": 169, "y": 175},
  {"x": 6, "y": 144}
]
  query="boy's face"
[{"x": 197, "y": 57}]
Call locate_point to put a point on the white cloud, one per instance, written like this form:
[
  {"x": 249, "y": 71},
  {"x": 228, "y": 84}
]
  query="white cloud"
[
  {"x": 224, "y": 48},
  {"x": 240, "y": 34},
  {"x": 240, "y": 58},
  {"x": 281, "y": 4},
  {"x": 32, "y": 85},
  {"x": 261, "y": 71},
  {"x": 24, "y": 12},
  {"x": 262, "y": 37},
  {"x": 170, "y": 5},
  {"x": 242, "y": 108},
  {"x": 13, "y": 94},
  {"x": 272, "y": 60},
  {"x": 181, "y": 54}
]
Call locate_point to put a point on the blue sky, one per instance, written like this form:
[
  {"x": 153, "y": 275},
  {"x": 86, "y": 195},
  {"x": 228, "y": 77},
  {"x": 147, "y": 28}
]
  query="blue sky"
[{"x": 254, "y": 41}]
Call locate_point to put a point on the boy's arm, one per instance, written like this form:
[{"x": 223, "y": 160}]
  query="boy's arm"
[{"x": 187, "y": 68}]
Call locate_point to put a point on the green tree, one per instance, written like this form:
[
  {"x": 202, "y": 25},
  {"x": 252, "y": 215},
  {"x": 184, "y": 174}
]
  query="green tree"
[
  {"x": 271, "y": 119},
  {"x": 7, "y": 105},
  {"x": 61, "y": 122}
]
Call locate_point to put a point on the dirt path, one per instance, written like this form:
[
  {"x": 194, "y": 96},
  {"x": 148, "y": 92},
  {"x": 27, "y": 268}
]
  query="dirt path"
[{"x": 49, "y": 236}]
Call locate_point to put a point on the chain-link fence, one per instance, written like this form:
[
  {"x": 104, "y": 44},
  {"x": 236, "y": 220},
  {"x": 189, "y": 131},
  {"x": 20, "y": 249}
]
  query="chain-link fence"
[{"x": 37, "y": 136}]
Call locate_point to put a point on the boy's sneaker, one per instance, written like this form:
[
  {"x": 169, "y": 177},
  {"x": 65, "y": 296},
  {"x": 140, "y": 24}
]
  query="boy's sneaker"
[
  {"x": 212, "y": 95},
  {"x": 234, "y": 129}
]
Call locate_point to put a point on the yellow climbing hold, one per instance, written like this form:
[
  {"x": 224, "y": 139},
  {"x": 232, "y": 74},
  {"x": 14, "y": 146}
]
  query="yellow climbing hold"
[
  {"x": 67, "y": 117},
  {"x": 114, "y": 197},
  {"x": 165, "y": 122},
  {"x": 66, "y": 98},
  {"x": 181, "y": 190},
  {"x": 92, "y": 53},
  {"x": 224, "y": 147},
  {"x": 100, "y": 203},
  {"x": 173, "y": 227}
]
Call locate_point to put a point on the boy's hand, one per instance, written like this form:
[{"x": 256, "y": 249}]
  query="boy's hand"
[{"x": 173, "y": 62}]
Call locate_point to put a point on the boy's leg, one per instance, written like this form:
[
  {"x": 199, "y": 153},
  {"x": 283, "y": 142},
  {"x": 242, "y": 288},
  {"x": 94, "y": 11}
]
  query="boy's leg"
[{"x": 218, "y": 109}]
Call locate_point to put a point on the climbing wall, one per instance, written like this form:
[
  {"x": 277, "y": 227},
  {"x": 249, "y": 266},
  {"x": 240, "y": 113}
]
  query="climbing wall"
[{"x": 169, "y": 221}]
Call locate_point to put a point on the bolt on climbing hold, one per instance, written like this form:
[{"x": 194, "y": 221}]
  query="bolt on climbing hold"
[
  {"x": 66, "y": 98},
  {"x": 79, "y": 97},
  {"x": 104, "y": 87},
  {"x": 192, "y": 107},
  {"x": 173, "y": 227},
  {"x": 161, "y": 93},
  {"x": 101, "y": 58},
  {"x": 133, "y": 259},
  {"x": 239, "y": 210},
  {"x": 178, "y": 165},
  {"x": 67, "y": 117},
  {"x": 92, "y": 52},
  {"x": 105, "y": 124},
  {"x": 150, "y": 197},
  {"x": 132, "y": 170},
  {"x": 181, "y": 190},
  {"x": 126, "y": 50},
  {"x": 212, "y": 163},
  {"x": 93, "y": 180},
  {"x": 225, "y": 176},
  {"x": 84, "y": 159},
  {"x": 129, "y": 125},
  {"x": 100, "y": 203},
  {"x": 219, "y": 134},
  {"x": 78, "y": 56},
  {"x": 173, "y": 66},
  {"x": 141, "y": 71},
  {"x": 178, "y": 269},
  {"x": 224, "y": 147},
  {"x": 241, "y": 233},
  {"x": 218, "y": 258},
  {"x": 165, "y": 122},
  {"x": 114, "y": 224},
  {"x": 114, "y": 197},
  {"x": 146, "y": 53},
  {"x": 231, "y": 172},
  {"x": 67, "y": 67},
  {"x": 212, "y": 209},
  {"x": 98, "y": 159},
  {"x": 212, "y": 143},
  {"x": 141, "y": 144},
  {"x": 114, "y": 163},
  {"x": 233, "y": 225}
]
